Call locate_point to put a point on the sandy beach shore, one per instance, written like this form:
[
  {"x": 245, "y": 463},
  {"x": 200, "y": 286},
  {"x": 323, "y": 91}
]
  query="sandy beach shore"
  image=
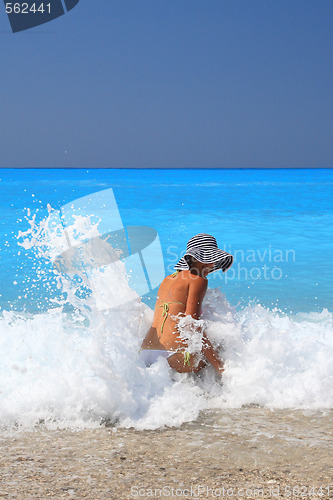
[{"x": 246, "y": 453}]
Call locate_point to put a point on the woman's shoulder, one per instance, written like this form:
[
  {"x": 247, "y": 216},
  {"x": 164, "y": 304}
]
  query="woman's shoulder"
[{"x": 186, "y": 275}]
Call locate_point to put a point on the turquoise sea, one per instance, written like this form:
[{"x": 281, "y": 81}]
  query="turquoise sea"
[
  {"x": 277, "y": 223},
  {"x": 71, "y": 358}
]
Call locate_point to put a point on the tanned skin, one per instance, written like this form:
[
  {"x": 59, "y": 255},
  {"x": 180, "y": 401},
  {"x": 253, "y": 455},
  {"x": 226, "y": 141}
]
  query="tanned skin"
[{"x": 189, "y": 288}]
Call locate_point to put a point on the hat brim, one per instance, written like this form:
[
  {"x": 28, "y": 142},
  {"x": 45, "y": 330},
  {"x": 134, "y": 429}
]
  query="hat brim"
[{"x": 222, "y": 259}]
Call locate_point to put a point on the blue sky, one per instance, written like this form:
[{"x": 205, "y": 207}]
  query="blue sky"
[{"x": 170, "y": 83}]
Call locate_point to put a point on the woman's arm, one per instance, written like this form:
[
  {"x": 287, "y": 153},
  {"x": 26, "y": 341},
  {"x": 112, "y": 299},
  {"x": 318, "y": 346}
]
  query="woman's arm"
[
  {"x": 196, "y": 294},
  {"x": 211, "y": 354}
]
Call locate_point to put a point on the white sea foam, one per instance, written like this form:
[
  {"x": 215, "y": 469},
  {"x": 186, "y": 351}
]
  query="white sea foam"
[{"x": 81, "y": 368}]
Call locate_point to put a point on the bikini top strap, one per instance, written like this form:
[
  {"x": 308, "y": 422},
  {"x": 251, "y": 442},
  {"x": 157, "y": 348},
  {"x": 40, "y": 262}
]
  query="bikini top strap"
[
  {"x": 165, "y": 312},
  {"x": 175, "y": 273}
]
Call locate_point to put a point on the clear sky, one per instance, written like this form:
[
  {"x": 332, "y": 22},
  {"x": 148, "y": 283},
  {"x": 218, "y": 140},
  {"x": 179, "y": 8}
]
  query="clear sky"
[{"x": 170, "y": 83}]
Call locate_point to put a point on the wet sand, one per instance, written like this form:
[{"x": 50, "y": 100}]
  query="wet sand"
[{"x": 246, "y": 453}]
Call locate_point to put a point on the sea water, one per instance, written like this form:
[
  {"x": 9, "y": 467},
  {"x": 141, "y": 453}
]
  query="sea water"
[{"x": 68, "y": 361}]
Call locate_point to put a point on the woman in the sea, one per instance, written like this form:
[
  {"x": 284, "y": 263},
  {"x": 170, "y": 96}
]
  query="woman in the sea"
[{"x": 183, "y": 292}]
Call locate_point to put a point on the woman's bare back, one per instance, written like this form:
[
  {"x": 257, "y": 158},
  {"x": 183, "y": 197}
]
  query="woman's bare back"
[{"x": 171, "y": 300}]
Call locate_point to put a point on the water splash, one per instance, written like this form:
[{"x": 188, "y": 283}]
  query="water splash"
[{"x": 76, "y": 365}]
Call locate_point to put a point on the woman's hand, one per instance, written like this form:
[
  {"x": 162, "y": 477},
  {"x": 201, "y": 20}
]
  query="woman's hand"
[{"x": 220, "y": 369}]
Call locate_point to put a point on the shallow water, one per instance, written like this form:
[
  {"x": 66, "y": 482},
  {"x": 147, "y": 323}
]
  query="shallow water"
[{"x": 69, "y": 339}]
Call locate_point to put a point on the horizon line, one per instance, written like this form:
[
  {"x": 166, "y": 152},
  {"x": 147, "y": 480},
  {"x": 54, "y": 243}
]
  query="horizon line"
[{"x": 165, "y": 168}]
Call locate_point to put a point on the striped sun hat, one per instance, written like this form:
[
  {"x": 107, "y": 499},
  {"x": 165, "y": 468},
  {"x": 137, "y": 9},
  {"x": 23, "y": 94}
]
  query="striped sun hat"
[{"x": 203, "y": 247}]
